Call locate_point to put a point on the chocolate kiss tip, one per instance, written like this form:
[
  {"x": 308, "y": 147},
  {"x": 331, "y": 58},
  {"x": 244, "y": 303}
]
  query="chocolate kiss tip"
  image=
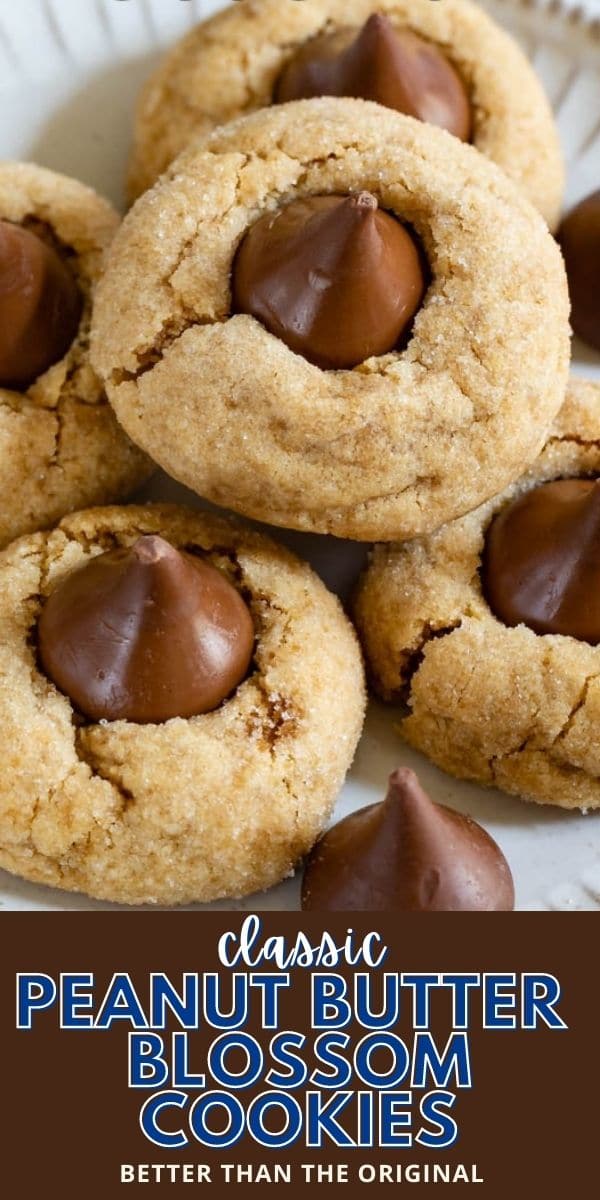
[
  {"x": 407, "y": 800},
  {"x": 376, "y": 35},
  {"x": 151, "y": 548},
  {"x": 402, "y": 776},
  {"x": 365, "y": 201},
  {"x": 378, "y": 22},
  {"x": 403, "y": 784}
]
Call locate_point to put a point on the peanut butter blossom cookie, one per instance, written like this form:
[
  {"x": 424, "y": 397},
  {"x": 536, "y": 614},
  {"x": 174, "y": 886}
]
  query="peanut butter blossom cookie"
[
  {"x": 335, "y": 323},
  {"x": 489, "y": 630},
  {"x": 447, "y": 64},
  {"x": 180, "y": 700},
  {"x": 60, "y": 445}
]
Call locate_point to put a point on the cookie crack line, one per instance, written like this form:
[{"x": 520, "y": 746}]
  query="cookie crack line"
[
  {"x": 86, "y": 755},
  {"x": 279, "y": 717},
  {"x": 46, "y": 559},
  {"x": 523, "y": 744},
  {"x": 578, "y": 706},
  {"x": 566, "y": 439},
  {"x": 410, "y": 660},
  {"x": 54, "y": 462},
  {"x": 167, "y": 338},
  {"x": 13, "y": 400},
  {"x": 566, "y": 769}
]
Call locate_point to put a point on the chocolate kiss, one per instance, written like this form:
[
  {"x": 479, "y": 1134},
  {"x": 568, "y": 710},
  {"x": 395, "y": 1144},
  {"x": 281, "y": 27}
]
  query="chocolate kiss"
[
  {"x": 145, "y": 634},
  {"x": 334, "y": 277},
  {"x": 541, "y": 564},
  {"x": 40, "y": 306},
  {"x": 579, "y": 238},
  {"x": 395, "y": 68},
  {"x": 407, "y": 855}
]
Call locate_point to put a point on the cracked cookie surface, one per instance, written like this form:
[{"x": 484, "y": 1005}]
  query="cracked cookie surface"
[
  {"x": 218, "y": 805},
  {"x": 503, "y": 706},
  {"x": 229, "y": 66},
  {"x": 399, "y": 444},
  {"x": 60, "y": 445}
]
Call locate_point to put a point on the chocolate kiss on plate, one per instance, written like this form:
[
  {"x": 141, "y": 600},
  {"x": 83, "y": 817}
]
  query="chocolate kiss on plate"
[
  {"x": 394, "y": 67},
  {"x": 541, "y": 564},
  {"x": 40, "y": 306},
  {"x": 407, "y": 855},
  {"x": 146, "y": 634},
  {"x": 334, "y": 277}
]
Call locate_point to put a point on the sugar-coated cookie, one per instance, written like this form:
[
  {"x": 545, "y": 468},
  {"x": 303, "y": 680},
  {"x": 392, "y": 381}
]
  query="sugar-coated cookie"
[
  {"x": 501, "y": 704},
  {"x": 219, "y": 804},
  {"x": 403, "y": 441}
]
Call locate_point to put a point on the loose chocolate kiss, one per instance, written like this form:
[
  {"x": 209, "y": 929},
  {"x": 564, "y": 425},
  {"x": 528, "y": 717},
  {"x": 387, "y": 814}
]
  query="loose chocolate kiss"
[
  {"x": 394, "y": 67},
  {"x": 145, "y": 634},
  {"x": 40, "y": 306},
  {"x": 579, "y": 237},
  {"x": 541, "y": 565},
  {"x": 407, "y": 855},
  {"x": 335, "y": 277}
]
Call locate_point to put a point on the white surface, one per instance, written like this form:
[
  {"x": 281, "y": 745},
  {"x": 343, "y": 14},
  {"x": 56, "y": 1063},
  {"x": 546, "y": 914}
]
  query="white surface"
[{"x": 69, "y": 73}]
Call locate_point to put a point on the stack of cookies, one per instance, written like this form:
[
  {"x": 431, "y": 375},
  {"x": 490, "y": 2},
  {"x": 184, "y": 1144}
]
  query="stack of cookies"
[{"x": 336, "y": 306}]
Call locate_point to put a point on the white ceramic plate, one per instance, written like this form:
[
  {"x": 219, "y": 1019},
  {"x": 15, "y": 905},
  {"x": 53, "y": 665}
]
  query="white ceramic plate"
[{"x": 69, "y": 74}]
